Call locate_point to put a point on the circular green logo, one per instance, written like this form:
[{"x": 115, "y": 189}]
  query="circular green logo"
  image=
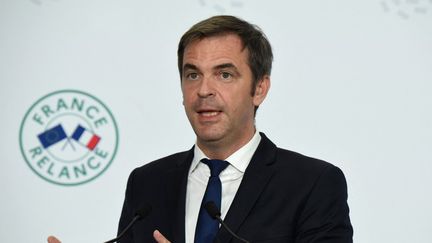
[{"x": 68, "y": 137}]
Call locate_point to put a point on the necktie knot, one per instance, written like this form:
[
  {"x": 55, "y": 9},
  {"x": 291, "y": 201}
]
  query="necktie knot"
[{"x": 216, "y": 166}]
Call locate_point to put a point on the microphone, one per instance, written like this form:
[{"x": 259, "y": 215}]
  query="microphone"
[
  {"x": 214, "y": 212},
  {"x": 139, "y": 214}
]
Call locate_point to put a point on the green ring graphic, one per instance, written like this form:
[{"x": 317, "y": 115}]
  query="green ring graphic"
[{"x": 82, "y": 93}]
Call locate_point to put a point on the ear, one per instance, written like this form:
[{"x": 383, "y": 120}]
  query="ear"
[{"x": 261, "y": 90}]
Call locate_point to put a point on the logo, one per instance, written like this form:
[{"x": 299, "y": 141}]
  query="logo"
[
  {"x": 406, "y": 8},
  {"x": 68, "y": 137}
]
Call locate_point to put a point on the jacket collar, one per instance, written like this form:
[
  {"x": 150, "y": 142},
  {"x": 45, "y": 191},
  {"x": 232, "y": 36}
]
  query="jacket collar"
[{"x": 258, "y": 173}]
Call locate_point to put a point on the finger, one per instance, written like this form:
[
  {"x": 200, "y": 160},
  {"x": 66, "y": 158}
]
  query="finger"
[
  {"x": 52, "y": 239},
  {"x": 159, "y": 237}
]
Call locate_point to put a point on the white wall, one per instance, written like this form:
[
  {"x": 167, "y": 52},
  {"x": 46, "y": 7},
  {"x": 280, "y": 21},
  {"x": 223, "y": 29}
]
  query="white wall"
[{"x": 351, "y": 84}]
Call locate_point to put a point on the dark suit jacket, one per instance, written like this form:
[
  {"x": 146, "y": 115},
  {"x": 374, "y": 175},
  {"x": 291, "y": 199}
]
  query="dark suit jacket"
[{"x": 283, "y": 197}]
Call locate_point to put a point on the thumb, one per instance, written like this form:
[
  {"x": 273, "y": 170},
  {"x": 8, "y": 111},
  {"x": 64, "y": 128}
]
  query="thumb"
[
  {"x": 159, "y": 237},
  {"x": 53, "y": 239}
]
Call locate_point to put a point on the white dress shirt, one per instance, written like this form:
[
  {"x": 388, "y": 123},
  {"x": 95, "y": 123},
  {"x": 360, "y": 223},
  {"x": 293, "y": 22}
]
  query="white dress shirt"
[{"x": 231, "y": 177}]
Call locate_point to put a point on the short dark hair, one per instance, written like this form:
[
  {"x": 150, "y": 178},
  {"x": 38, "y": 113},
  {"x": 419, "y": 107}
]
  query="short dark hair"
[{"x": 253, "y": 39}]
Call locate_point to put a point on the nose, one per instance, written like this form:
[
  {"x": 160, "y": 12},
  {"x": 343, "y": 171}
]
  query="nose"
[{"x": 206, "y": 88}]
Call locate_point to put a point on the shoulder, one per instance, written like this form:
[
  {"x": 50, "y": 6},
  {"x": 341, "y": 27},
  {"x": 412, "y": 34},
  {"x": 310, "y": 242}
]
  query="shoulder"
[
  {"x": 290, "y": 163},
  {"x": 308, "y": 168},
  {"x": 154, "y": 175},
  {"x": 299, "y": 161},
  {"x": 164, "y": 164}
]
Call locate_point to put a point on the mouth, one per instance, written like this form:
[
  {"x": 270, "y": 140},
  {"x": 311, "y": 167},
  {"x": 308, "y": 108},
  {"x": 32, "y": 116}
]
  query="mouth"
[{"x": 208, "y": 113}]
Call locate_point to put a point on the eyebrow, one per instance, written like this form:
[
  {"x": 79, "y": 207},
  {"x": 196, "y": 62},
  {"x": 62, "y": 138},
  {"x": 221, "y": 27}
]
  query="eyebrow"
[
  {"x": 189, "y": 66},
  {"x": 227, "y": 65}
]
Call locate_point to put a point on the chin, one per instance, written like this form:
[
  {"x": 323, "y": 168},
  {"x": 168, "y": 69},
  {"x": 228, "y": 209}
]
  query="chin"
[{"x": 209, "y": 137}]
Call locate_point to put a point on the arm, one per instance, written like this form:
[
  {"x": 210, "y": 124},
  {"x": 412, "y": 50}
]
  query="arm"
[
  {"x": 325, "y": 217},
  {"x": 127, "y": 214}
]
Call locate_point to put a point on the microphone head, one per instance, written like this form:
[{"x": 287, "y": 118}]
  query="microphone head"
[
  {"x": 212, "y": 210},
  {"x": 143, "y": 211}
]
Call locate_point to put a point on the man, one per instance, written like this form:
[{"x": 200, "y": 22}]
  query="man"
[{"x": 266, "y": 194}]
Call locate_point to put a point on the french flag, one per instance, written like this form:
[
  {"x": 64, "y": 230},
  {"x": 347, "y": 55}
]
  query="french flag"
[{"x": 85, "y": 137}]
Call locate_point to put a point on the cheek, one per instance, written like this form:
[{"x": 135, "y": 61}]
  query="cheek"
[
  {"x": 188, "y": 102},
  {"x": 239, "y": 103},
  {"x": 186, "y": 96}
]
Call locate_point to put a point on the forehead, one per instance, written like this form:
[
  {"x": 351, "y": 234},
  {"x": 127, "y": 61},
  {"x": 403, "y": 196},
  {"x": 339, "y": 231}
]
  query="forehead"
[{"x": 220, "y": 48}]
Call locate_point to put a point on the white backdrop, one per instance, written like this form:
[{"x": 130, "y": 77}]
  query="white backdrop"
[{"x": 351, "y": 84}]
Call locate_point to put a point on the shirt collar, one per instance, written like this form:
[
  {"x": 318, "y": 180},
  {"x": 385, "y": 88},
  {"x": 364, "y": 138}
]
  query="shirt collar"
[{"x": 239, "y": 159}]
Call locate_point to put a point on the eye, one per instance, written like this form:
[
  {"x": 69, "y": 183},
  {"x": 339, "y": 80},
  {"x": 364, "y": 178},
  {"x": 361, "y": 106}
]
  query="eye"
[
  {"x": 225, "y": 75},
  {"x": 192, "y": 76}
]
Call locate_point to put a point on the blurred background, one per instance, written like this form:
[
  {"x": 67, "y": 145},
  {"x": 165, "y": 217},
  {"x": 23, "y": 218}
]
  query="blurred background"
[{"x": 351, "y": 84}]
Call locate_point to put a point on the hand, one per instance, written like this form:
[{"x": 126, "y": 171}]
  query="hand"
[
  {"x": 52, "y": 239},
  {"x": 156, "y": 234}
]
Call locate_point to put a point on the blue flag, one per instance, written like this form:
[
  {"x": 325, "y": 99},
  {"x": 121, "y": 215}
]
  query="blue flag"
[{"x": 52, "y": 136}]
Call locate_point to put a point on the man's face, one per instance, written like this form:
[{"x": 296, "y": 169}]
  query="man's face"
[{"x": 216, "y": 86}]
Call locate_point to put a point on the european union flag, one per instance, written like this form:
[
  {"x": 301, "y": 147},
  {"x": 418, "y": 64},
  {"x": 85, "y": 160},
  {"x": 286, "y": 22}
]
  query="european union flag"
[{"x": 52, "y": 136}]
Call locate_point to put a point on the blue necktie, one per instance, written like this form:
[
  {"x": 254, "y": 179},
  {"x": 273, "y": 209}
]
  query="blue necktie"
[{"x": 207, "y": 227}]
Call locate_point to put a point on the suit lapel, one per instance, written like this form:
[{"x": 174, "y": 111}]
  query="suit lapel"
[
  {"x": 176, "y": 194},
  {"x": 257, "y": 174}
]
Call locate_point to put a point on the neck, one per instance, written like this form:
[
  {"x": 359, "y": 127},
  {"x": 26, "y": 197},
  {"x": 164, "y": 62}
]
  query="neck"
[{"x": 222, "y": 149}]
